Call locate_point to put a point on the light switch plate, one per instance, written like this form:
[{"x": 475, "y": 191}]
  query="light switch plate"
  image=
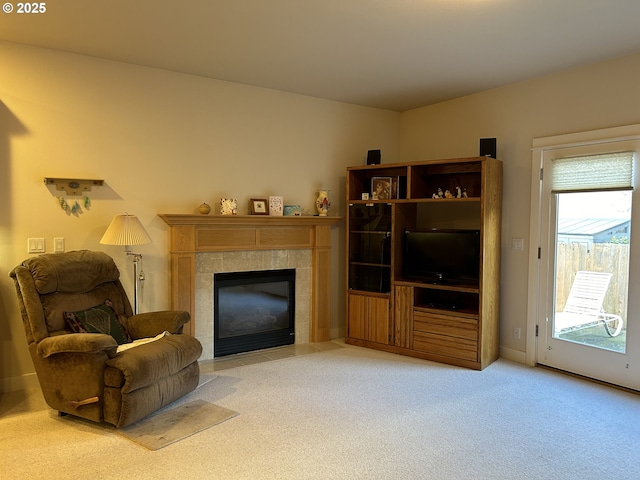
[
  {"x": 58, "y": 244},
  {"x": 35, "y": 245}
]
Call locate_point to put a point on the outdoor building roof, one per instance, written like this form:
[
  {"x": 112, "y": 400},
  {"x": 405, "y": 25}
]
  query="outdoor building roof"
[{"x": 588, "y": 226}]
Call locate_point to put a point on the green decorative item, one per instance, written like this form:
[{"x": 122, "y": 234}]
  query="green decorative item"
[
  {"x": 63, "y": 204},
  {"x": 73, "y": 188}
]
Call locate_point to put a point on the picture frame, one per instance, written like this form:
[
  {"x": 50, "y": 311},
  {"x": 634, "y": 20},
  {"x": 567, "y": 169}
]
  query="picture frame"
[
  {"x": 381, "y": 188},
  {"x": 292, "y": 210},
  {"x": 259, "y": 206},
  {"x": 276, "y": 205}
]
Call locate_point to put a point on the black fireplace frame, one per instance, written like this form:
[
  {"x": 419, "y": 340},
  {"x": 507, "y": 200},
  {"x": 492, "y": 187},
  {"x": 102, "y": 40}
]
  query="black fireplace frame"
[{"x": 261, "y": 340}]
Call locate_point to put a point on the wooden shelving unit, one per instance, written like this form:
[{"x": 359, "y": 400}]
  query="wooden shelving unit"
[{"x": 454, "y": 324}]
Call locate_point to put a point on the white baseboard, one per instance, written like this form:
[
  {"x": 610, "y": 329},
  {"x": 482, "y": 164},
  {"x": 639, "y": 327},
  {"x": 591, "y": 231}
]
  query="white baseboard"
[
  {"x": 23, "y": 382},
  {"x": 513, "y": 355}
]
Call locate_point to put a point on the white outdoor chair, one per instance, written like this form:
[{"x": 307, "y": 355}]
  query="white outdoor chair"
[{"x": 584, "y": 305}]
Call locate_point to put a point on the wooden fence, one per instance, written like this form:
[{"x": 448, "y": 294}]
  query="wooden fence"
[{"x": 597, "y": 257}]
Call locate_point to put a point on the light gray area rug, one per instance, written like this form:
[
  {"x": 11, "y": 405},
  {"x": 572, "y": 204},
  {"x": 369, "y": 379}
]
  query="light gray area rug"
[{"x": 175, "y": 424}]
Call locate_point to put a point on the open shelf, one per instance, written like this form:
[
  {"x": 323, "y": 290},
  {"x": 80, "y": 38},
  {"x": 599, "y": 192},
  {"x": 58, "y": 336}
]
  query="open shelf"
[
  {"x": 426, "y": 180},
  {"x": 455, "y": 302},
  {"x": 438, "y": 286},
  {"x": 362, "y": 182}
]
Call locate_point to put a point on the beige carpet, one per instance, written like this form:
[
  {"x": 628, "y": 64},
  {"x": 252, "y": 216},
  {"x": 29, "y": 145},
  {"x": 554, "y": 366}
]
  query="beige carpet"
[
  {"x": 357, "y": 414},
  {"x": 170, "y": 426}
]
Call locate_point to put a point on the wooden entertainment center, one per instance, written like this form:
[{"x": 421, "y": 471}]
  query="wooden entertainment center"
[{"x": 450, "y": 322}]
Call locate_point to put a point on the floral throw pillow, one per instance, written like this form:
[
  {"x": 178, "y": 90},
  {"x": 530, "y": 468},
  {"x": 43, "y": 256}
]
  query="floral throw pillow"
[{"x": 99, "y": 319}]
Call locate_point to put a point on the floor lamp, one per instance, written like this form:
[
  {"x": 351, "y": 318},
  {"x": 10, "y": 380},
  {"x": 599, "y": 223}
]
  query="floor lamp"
[{"x": 127, "y": 230}]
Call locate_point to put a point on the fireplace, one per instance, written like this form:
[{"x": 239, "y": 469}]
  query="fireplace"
[
  {"x": 253, "y": 310},
  {"x": 203, "y": 245}
]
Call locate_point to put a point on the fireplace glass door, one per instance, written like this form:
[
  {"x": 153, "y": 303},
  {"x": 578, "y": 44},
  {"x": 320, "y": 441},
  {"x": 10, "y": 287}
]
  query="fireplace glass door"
[{"x": 253, "y": 310}]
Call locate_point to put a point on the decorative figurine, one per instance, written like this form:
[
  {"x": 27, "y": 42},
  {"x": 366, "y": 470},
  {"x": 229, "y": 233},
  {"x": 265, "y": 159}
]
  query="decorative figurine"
[{"x": 228, "y": 206}]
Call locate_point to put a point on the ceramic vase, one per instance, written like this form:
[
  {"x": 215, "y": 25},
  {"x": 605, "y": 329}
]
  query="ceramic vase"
[{"x": 323, "y": 203}]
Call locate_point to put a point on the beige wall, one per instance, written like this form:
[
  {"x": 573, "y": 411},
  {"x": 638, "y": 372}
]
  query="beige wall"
[
  {"x": 164, "y": 143},
  {"x": 589, "y": 98}
]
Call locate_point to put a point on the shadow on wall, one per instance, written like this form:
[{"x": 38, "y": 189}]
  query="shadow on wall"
[{"x": 10, "y": 126}]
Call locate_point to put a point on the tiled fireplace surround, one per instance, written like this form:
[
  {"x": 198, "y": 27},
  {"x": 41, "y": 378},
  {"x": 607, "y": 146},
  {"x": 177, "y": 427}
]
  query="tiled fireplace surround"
[
  {"x": 210, "y": 263},
  {"x": 204, "y": 245}
]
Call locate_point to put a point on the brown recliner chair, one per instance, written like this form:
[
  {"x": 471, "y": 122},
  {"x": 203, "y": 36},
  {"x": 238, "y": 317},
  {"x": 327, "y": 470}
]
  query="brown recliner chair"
[{"x": 83, "y": 374}]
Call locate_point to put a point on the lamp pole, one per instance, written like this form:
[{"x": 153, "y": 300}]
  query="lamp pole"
[{"x": 137, "y": 277}]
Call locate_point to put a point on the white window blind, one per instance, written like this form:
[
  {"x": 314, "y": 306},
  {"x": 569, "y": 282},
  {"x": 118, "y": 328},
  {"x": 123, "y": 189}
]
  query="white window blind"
[{"x": 610, "y": 171}]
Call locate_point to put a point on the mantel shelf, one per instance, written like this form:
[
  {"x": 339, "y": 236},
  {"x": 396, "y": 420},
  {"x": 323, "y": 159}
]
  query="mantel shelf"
[{"x": 177, "y": 219}]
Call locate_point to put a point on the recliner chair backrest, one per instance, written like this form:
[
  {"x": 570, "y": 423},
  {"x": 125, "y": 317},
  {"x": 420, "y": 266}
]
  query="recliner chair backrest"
[{"x": 50, "y": 285}]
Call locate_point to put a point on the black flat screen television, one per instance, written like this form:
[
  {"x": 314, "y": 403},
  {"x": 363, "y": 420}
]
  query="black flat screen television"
[{"x": 448, "y": 257}]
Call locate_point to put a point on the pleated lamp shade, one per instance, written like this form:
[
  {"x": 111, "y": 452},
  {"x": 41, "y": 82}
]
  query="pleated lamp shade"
[{"x": 125, "y": 230}]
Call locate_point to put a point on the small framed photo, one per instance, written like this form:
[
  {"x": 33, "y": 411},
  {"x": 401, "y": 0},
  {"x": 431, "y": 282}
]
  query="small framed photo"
[
  {"x": 259, "y": 206},
  {"x": 380, "y": 188},
  {"x": 292, "y": 210}
]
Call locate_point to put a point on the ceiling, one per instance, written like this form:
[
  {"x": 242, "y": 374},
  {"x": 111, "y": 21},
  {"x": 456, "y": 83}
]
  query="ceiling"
[{"x": 390, "y": 54}]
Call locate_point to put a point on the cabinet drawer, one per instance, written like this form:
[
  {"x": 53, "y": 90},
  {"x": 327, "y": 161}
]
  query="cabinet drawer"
[
  {"x": 443, "y": 345},
  {"x": 450, "y": 326}
]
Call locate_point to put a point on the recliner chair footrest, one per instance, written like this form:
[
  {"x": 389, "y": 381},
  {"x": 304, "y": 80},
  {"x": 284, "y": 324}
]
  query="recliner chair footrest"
[{"x": 146, "y": 364}]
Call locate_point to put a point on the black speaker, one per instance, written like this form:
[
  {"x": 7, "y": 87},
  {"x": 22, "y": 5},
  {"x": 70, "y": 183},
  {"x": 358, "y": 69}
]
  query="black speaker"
[
  {"x": 373, "y": 157},
  {"x": 488, "y": 147}
]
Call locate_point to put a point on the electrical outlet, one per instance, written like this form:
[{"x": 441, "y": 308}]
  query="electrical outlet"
[{"x": 516, "y": 333}]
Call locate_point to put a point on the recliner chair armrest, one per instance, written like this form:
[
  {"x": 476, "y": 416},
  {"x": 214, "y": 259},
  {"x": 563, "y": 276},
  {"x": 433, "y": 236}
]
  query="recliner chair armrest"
[
  {"x": 78, "y": 343},
  {"x": 150, "y": 324}
]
